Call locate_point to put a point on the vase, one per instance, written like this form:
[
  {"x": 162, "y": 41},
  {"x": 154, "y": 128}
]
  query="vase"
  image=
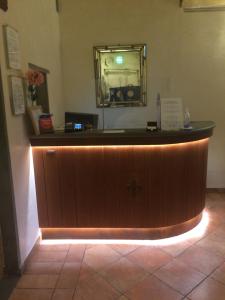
[{"x": 33, "y": 94}]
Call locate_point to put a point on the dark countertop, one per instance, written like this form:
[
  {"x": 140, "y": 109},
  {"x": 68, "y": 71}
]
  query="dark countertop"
[{"x": 200, "y": 130}]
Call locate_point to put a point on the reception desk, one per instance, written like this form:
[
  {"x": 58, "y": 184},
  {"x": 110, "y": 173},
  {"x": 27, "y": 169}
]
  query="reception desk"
[{"x": 131, "y": 185}]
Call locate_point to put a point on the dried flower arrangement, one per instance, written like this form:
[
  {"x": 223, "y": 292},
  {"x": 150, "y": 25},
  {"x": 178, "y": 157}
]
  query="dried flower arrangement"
[{"x": 35, "y": 79}]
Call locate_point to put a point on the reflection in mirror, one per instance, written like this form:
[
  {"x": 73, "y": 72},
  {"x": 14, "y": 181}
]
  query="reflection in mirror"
[{"x": 120, "y": 74}]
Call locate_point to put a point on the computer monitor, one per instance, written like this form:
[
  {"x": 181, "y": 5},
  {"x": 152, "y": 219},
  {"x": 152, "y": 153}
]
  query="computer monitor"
[{"x": 82, "y": 118}]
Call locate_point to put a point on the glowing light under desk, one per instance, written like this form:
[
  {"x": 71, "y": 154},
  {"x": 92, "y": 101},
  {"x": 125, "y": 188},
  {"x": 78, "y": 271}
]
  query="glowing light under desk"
[{"x": 196, "y": 232}]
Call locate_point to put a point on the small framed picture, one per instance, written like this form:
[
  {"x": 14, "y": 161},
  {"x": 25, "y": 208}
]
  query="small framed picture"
[
  {"x": 34, "y": 113},
  {"x": 12, "y": 47},
  {"x": 17, "y": 94},
  {"x": 4, "y": 4}
]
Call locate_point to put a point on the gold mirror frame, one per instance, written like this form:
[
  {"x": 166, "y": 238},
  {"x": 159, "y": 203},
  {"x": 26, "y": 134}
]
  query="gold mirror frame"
[{"x": 99, "y": 52}]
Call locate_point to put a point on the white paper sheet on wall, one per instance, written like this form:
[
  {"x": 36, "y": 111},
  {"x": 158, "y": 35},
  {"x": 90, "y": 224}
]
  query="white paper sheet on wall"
[
  {"x": 18, "y": 95},
  {"x": 172, "y": 114},
  {"x": 13, "y": 48}
]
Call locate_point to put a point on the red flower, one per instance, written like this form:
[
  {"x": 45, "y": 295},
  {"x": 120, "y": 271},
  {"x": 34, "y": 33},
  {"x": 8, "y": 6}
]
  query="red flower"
[{"x": 35, "y": 77}]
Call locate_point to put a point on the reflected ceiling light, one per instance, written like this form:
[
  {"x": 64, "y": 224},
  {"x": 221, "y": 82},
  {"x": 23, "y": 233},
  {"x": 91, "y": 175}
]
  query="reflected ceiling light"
[
  {"x": 196, "y": 232},
  {"x": 119, "y": 60}
]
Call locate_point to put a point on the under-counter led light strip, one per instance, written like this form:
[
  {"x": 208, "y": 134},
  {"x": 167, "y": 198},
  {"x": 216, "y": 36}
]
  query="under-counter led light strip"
[
  {"x": 196, "y": 232},
  {"x": 125, "y": 146}
]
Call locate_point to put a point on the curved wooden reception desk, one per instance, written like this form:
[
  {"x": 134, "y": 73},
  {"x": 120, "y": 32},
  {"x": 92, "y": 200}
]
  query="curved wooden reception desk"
[{"x": 135, "y": 185}]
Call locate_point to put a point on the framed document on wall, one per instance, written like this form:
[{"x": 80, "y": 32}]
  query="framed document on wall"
[
  {"x": 12, "y": 46},
  {"x": 17, "y": 94}
]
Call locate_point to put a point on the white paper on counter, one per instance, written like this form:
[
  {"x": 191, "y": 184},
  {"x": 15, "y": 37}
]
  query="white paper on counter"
[{"x": 172, "y": 114}]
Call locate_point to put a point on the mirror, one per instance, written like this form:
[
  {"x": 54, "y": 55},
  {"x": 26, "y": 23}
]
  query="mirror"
[{"x": 120, "y": 75}]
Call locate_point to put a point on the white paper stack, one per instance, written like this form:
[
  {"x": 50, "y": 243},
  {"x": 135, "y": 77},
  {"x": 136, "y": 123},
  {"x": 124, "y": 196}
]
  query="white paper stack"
[{"x": 172, "y": 114}]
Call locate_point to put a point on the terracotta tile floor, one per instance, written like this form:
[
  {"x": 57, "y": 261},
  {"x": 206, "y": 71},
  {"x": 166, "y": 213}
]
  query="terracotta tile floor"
[{"x": 190, "y": 269}]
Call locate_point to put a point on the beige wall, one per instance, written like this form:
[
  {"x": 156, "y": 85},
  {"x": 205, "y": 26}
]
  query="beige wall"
[
  {"x": 186, "y": 58},
  {"x": 38, "y": 26}
]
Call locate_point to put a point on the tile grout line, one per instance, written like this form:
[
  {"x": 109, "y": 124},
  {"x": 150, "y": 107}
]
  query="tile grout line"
[
  {"x": 194, "y": 269},
  {"x": 166, "y": 284},
  {"x": 98, "y": 272},
  {"x": 149, "y": 273},
  {"x": 60, "y": 272},
  {"x": 124, "y": 255},
  {"x": 208, "y": 276},
  {"x": 78, "y": 278}
]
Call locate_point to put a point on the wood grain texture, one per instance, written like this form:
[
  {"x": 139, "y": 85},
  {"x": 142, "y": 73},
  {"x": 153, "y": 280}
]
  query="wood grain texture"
[
  {"x": 52, "y": 186},
  {"x": 120, "y": 187},
  {"x": 67, "y": 182},
  {"x": 40, "y": 182},
  {"x": 89, "y": 184}
]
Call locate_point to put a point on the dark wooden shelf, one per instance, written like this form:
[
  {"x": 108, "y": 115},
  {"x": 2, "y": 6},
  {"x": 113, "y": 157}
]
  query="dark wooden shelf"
[{"x": 201, "y": 130}]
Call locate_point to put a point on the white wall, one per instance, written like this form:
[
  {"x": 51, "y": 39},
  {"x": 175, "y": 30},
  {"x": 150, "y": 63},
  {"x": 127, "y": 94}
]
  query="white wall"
[
  {"x": 186, "y": 58},
  {"x": 38, "y": 25}
]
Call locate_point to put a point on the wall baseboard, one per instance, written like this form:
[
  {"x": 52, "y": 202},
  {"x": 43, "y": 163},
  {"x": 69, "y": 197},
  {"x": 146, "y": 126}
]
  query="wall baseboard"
[{"x": 215, "y": 190}]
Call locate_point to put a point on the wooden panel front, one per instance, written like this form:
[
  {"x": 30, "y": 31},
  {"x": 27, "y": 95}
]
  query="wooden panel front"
[
  {"x": 40, "y": 181},
  {"x": 52, "y": 186},
  {"x": 68, "y": 186},
  {"x": 90, "y": 186},
  {"x": 125, "y": 188},
  {"x": 120, "y": 187}
]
